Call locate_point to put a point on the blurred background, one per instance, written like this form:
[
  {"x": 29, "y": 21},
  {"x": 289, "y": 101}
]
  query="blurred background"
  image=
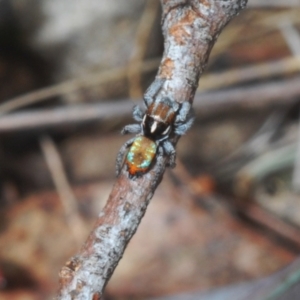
[{"x": 222, "y": 224}]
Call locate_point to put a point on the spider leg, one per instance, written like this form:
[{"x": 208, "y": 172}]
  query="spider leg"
[
  {"x": 175, "y": 105},
  {"x": 181, "y": 129},
  {"x": 120, "y": 156},
  {"x": 160, "y": 156},
  {"x": 137, "y": 114},
  {"x": 153, "y": 90},
  {"x": 133, "y": 128},
  {"x": 171, "y": 152},
  {"x": 183, "y": 112},
  {"x": 158, "y": 167}
]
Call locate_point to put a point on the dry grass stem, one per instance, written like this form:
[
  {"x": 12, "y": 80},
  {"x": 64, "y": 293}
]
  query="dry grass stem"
[
  {"x": 141, "y": 42},
  {"x": 73, "y": 86},
  {"x": 63, "y": 188}
]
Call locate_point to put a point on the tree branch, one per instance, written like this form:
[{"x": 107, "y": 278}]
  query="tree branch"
[{"x": 190, "y": 29}]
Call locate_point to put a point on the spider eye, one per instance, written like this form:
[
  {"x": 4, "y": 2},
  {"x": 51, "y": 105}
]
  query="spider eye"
[
  {"x": 159, "y": 128},
  {"x": 155, "y": 129},
  {"x": 167, "y": 131},
  {"x": 144, "y": 120},
  {"x": 147, "y": 125}
]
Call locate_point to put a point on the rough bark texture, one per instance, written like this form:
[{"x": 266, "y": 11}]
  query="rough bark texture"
[{"x": 190, "y": 28}]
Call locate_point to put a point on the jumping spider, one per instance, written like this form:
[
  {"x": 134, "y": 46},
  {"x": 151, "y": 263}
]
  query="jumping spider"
[{"x": 162, "y": 118}]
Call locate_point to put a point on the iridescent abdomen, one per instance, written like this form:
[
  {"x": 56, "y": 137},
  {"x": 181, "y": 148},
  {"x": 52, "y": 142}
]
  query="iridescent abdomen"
[{"x": 140, "y": 155}]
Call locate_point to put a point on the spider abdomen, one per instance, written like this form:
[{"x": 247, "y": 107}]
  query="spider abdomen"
[{"x": 140, "y": 155}]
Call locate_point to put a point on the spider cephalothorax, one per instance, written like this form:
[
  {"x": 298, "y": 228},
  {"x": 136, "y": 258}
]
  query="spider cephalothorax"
[
  {"x": 163, "y": 118},
  {"x": 159, "y": 118}
]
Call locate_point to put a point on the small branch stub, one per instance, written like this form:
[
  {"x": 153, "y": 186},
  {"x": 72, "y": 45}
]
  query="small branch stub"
[{"x": 190, "y": 29}]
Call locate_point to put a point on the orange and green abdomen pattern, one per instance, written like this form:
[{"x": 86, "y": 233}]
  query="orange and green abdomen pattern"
[{"x": 140, "y": 155}]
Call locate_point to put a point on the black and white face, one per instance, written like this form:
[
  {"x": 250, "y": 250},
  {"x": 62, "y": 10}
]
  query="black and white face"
[
  {"x": 155, "y": 128},
  {"x": 159, "y": 118}
]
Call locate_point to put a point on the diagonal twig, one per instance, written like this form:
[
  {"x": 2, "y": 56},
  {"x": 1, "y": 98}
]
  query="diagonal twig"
[
  {"x": 73, "y": 85},
  {"x": 67, "y": 197},
  {"x": 190, "y": 28},
  {"x": 141, "y": 42},
  {"x": 256, "y": 96}
]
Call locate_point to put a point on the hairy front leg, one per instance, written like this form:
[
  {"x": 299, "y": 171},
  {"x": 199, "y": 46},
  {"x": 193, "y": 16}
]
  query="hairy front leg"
[
  {"x": 183, "y": 112},
  {"x": 137, "y": 113},
  {"x": 152, "y": 91},
  {"x": 171, "y": 153},
  {"x": 184, "y": 127},
  {"x": 132, "y": 128}
]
